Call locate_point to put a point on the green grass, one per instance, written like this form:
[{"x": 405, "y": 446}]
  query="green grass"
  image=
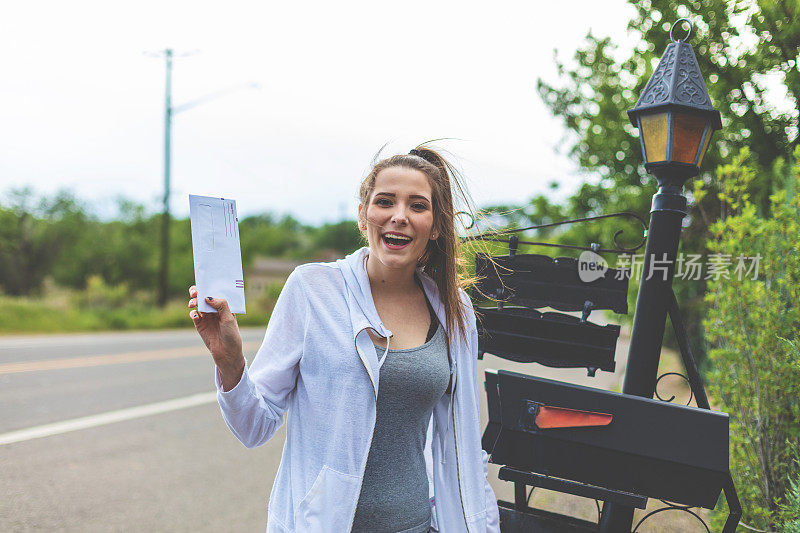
[{"x": 60, "y": 315}]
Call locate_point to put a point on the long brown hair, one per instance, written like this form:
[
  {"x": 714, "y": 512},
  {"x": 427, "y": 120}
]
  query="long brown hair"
[{"x": 442, "y": 259}]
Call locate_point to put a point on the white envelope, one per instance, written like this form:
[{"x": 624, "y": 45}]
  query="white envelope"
[{"x": 217, "y": 253}]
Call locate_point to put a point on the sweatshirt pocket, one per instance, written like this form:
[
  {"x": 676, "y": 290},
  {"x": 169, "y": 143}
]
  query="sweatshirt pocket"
[{"x": 327, "y": 506}]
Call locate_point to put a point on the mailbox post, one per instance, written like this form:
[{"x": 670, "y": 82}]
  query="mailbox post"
[{"x": 676, "y": 120}]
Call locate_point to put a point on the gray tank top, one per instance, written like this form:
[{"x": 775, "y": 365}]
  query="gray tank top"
[{"x": 394, "y": 494}]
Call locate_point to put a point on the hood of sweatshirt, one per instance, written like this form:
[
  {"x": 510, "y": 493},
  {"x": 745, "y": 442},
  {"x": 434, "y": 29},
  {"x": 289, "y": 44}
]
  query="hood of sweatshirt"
[{"x": 363, "y": 313}]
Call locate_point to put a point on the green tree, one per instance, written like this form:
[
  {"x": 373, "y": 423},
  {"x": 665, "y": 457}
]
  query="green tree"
[
  {"x": 33, "y": 236},
  {"x": 119, "y": 251},
  {"x": 58, "y": 236},
  {"x": 748, "y": 52},
  {"x": 266, "y": 235},
  {"x": 343, "y": 237}
]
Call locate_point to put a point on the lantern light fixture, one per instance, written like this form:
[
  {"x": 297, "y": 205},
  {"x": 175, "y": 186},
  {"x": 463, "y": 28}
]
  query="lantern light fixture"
[{"x": 674, "y": 114}]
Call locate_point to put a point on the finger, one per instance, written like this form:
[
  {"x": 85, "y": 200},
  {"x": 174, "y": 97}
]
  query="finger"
[
  {"x": 220, "y": 304},
  {"x": 193, "y": 291},
  {"x": 194, "y": 315},
  {"x": 193, "y": 302}
]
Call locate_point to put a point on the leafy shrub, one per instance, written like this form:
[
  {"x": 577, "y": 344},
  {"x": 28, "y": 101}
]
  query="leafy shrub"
[
  {"x": 752, "y": 329},
  {"x": 790, "y": 509},
  {"x": 100, "y": 295}
]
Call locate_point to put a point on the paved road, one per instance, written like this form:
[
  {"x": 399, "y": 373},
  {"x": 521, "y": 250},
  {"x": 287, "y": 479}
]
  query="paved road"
[{"x": 134, "y": 440}]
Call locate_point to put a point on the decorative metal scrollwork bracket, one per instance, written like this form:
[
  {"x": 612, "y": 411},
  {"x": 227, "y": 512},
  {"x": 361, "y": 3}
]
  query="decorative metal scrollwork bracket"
[
  {"x": 662, "y": 376},
  {"x": 671, "y": 507},
  {"x": 514, "y": 241}
]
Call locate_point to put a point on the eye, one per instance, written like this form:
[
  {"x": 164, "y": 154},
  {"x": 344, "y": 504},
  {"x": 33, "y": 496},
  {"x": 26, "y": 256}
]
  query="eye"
[
  {"x": 383, "y": 202},
  {"x": 420, "y": 206}
]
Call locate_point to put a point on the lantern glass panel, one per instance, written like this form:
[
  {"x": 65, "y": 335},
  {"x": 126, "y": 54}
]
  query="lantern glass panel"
[
  {"x": 705, "y": 146},
  {"x": 686, "y": 136},
  {"x": 653, "y": 129}
]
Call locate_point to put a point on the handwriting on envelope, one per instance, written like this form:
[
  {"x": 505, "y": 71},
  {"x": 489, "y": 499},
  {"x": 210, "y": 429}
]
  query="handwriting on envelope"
[{"x": 217, "y": 253}]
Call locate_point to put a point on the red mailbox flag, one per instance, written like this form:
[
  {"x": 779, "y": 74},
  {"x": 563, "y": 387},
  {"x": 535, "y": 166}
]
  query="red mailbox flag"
[{"x": 548, "y": 417}]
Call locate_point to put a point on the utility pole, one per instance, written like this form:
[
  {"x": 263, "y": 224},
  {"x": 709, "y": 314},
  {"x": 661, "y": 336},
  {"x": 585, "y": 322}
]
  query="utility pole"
[
  {"x": 163, "y": 271},
  {"x": 169, "y": 112}
]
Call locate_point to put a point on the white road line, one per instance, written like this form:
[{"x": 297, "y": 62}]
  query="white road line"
[{"x": 110, "y": 417}]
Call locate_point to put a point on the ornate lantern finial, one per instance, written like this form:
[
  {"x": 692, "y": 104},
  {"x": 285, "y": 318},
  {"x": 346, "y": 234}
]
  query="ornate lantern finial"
[{"x": 674, "y": 114}]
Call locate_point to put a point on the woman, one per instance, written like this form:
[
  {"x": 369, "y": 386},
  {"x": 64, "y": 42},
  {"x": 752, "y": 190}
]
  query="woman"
[{"x": 374, "y": 358}]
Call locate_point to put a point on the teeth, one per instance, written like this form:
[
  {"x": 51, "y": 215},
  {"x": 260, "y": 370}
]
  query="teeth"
[{"x": 398, "y": 237}]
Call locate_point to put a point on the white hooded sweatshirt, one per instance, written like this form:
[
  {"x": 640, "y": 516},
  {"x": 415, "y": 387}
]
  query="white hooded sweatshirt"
[{"x": 318, "y": 363}]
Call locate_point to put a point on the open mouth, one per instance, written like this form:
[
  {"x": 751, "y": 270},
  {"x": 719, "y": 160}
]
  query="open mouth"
[{"x": 394, "y": 241}]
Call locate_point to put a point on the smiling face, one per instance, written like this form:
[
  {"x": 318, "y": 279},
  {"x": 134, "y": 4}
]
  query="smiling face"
[{"x": 398, "y": 217}]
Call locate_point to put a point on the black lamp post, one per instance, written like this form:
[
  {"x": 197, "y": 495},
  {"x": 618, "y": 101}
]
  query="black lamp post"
[{"x": 676, "y": 119}]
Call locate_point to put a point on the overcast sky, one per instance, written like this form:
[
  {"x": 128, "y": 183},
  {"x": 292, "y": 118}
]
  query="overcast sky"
[{"x": 83, "y": 104}]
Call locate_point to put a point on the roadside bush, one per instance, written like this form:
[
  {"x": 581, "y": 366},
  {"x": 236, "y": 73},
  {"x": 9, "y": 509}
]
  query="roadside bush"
[
  {"x": 260, "y": 308},
  {"x": 100, "y": 295},
  {"x": 752, "y": 333},
  {"x": 28, "y": 315},
  {"x": 790, "y": 510}
]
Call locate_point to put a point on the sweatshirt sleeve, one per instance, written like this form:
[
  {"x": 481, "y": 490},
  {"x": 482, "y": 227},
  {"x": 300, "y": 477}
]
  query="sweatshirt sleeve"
[
  {"x": 254, "y": 408},
  {"x": 492, "y": 511}
]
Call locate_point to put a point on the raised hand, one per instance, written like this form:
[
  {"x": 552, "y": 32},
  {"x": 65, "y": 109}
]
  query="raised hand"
[{"x": 220, "y": 333}]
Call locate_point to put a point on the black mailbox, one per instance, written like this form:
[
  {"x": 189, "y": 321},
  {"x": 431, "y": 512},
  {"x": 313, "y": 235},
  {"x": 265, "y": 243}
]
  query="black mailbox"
[{"x": 647, "y": 447}]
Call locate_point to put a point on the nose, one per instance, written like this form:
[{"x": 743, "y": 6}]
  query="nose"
[{"x": 399, "y": 215}]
